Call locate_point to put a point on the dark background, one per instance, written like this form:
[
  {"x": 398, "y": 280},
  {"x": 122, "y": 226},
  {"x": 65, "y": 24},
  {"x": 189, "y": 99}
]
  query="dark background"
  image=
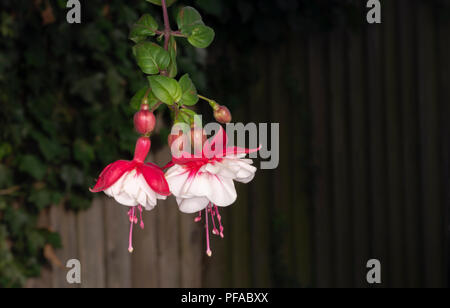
[{"x": 364, "y": 144}]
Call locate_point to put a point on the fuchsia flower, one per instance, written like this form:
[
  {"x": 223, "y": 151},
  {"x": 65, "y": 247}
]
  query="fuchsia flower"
[
  {"x": 205, "y": 181},
  {"x": 134, "y": 183}
]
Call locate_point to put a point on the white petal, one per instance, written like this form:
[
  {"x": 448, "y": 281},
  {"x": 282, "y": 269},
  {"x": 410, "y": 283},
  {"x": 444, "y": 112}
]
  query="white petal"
[
  {"x": 221, "y": 169},
  {"x": 132, "y": 190},
  {"x": 117, "y": 187},
  {"x": 244, "y": 171},
  {"x": 192, "y": 205},
  {"x": 223, "y": 193},
  {"x": 197, "y": 186},
  {"x": 176, "y": 178},
  {"x": 131, "y": 184},
  {"x": 142, "y": 198},
  {"x": 125, "y": 199}
]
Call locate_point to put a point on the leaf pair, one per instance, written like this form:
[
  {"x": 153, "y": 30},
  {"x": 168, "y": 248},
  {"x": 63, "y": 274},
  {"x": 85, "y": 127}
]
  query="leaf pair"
[
  {"x": 170, "y": 91},
  {"x": 191, "y": 24}
]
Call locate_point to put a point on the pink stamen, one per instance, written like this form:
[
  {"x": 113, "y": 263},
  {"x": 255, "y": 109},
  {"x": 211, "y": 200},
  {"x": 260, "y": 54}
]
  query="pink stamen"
[
  {"x": 208, "y": 249},
  {"x": 142, "y": 221},
  {"x": 219, "y": 219},
  {"x": 130, "y": 215},
  {"x": 130, "y": 239},
  {"x": 199, "y": 217},
  {"x": 215, "y": 231}
]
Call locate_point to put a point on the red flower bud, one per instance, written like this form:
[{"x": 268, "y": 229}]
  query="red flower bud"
[
  {"x": 144, "y": 120},
  {"x": 222, "y": 115}
]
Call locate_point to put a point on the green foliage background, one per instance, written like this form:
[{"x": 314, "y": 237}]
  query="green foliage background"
[{"x": 65, "y": 92}]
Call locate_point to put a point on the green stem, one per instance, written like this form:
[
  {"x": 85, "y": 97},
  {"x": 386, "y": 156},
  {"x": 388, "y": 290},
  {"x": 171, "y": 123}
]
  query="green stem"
[{"x": 211, "y": 102}]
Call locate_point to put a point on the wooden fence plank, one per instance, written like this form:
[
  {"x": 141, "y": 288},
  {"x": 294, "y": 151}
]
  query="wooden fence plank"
[
  {"x": 240, "y": 227},
  {"x": 281, "y": 197},
  {"x": 300, "y": 218},
  {"x": 323, "y": 239},
  {"x": 118, "y": 259},
  {"x": 65, "y": 223},
  {"x": 168, "y": 217},
  {"x": 191, "y": 251},
  {"x": 430, "y": 152},
  {"x": 91, "y": 241},
  {"x": 259, "y": 203},
  {"x": 340, "y": 159},
  {"x": 380, "y": 239},
  {"x": 394, "y": 148},
  {"x": 359, "y": 148},
  {"x": 144, "y": 260},
  {"x": 411, "y": 175},
  {"x": 239, "y": 232},
  {"x": 444, "y": 99},
  {"x": 217, "y": 270}
]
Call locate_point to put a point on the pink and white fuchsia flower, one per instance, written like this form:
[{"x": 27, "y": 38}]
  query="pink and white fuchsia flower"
[
  {"x": 134, "y": 184},
  {"x": 205, "y": 181}
]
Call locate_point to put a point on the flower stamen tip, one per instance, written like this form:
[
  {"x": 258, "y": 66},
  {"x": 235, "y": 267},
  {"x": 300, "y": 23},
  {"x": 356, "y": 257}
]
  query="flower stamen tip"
[{"x": 209, "y": 253}]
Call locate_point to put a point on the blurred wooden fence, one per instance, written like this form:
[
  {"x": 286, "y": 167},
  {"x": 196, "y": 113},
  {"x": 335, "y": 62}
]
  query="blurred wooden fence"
[{"x": 364, "y": 173}]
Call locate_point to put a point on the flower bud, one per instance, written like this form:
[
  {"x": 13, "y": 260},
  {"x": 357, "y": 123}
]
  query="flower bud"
[
  {"x": 144, "y": 120},
  {"x": 222, "y": 114}
]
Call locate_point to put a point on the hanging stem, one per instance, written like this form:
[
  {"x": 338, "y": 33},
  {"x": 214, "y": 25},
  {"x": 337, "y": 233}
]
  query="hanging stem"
[
  {"x": 167, "y": 33},
  {"x": 167, "y": 30}
]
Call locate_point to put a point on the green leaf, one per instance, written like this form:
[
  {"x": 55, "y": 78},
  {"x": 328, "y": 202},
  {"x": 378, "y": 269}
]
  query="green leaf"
[
  {"x": 188, "y": 18},
  {"x": 158, "y": 2},
  {"x": 189, "y": 96},
  {"x": 144, "y": 27},
  {"x": 151, "y": 57},
  {"x": 166, "y": 89},
  {"x": 173, "y": 67},
  {"x": 33, "y": 166},
  {"x": 202, "y": 36}
]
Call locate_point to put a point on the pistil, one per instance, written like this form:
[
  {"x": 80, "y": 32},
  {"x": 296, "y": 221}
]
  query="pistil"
[
  {"x": 208, "y": 249},
  {"x": 133, "y": 220}
]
